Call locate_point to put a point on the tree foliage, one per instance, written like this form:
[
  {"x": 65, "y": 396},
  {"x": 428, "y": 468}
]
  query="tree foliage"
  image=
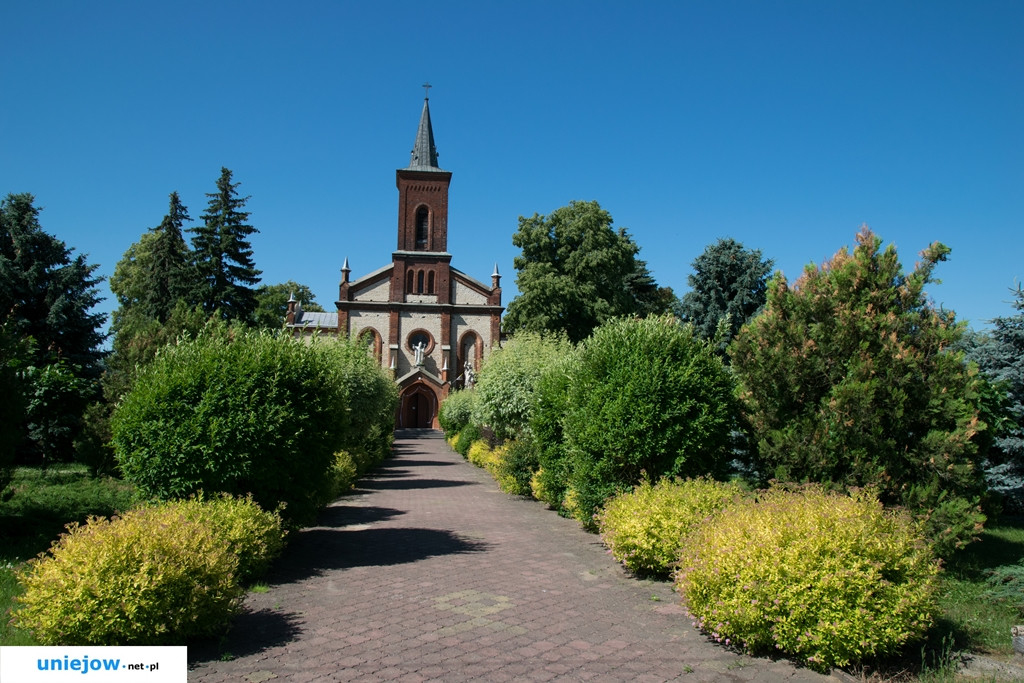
[
  {"x": 52, "y": 336},
  {"x": 46, "y": 292},
  {"x": 223, "y": 255},
  {"x": 272, "y": 303},
  {"x": 727, "y": 280},
  {"x": 576, "y": 271},
  {"x": 1000, "y": 355},
  {"x": 849, "y": 378}
]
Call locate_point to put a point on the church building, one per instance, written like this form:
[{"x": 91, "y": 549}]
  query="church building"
[{"x": 427, "y": 322}]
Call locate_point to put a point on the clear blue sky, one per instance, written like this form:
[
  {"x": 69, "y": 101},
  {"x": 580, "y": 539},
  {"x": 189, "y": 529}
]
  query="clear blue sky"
[{"x": 785, "y": 125}]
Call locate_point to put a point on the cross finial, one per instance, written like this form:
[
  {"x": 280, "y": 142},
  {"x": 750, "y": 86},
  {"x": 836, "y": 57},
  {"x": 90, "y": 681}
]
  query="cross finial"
[{"x": 426, "y": 90}]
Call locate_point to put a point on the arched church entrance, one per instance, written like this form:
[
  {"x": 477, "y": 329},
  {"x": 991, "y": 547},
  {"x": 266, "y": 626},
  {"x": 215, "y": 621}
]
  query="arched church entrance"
[{"x": 418, "y": 408}]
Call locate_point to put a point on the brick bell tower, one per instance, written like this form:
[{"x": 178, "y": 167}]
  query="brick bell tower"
[{"x": 422, "y": 261}]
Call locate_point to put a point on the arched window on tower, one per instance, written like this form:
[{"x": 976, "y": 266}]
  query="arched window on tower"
[
  {"x": 430, "y": 282},
  {"x": 408, "y": 282},
  {"x": 422, "y": 227},
  {"x": 419, "y": 282}
]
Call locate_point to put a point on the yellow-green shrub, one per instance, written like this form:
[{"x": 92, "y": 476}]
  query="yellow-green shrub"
[
  {"x": 341, "y": 476},
  {"x": 252, "y": 534},
  {"x": 644, "y": 527},
  {"x": 480, "y": 454},
  {"x": 151, "y": 577},
  {"x": 828, "y": 578}
]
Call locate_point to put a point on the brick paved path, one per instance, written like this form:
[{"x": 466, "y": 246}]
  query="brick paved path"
[{"x": 428, "y": 572}]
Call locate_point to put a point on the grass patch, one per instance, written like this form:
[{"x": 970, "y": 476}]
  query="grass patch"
[
  {"x": 37, "y": 507},
  {"x": 979, "y": 623}
]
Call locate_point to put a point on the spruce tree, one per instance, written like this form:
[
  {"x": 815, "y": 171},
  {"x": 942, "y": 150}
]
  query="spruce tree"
[
  {"x": 225, "y": 271},
  {"x": 46, "y": 292},
  {"x": 727, "y": 280},
  {"x": 168, "y": 276}
]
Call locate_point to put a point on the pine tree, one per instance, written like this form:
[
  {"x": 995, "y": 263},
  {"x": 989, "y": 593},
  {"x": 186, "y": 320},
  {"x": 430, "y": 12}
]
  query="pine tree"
[{"x": 224, "y": 265}]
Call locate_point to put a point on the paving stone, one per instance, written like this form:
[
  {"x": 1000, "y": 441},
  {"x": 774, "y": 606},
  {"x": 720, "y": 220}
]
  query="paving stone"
[{"x": 427, "y": 572}]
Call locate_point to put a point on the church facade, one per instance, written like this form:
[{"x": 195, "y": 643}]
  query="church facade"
[{"x": 430, "y": 324}]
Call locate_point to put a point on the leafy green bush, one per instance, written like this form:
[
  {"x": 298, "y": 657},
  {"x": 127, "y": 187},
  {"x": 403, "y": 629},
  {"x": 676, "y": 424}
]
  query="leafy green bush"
[
  {"x": 457, "y": 411},
  {"x": 645, "y": 527},
  {"x": 646, "y": 398},
  {"x": 151, "y": 577},
  {"x": 549, "y": 482},
  {"x": 341, "y": 476},
  {"x": 507, "y": 387},
  {"x": 465, "y": 439},
  {"x": 515, "y": 464},
  {"x": 244, "y": 412},
  {"x": 250, "y": 533},
  {"x": 827, "y": 578},
  {"x": 849, "y": 378}
]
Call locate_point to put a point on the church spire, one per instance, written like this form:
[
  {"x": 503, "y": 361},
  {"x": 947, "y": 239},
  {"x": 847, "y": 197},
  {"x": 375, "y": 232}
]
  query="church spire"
[{"x": 424, "y": 153}]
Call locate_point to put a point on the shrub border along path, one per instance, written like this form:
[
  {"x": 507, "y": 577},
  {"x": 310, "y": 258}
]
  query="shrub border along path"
[{"x": 428, "y": 572}]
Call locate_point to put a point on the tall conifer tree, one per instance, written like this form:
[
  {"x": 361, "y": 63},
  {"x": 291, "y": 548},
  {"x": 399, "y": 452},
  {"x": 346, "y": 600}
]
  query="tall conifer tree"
[
  {"x": 225, "y": 271},
  {"x": 168, "y": 279}
]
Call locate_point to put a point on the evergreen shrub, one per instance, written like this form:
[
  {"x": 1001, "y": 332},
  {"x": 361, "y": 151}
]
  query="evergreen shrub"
[
  {"x": 155, "y": 576},
  {"x": 457, "y": 411},
  {"x": 850, "y": 378},
  {"x": 830, "y": 579},
  {"x": 245, "y": 412},
  {"x": 644, "y": 528},
  {"x": 646, "y": 398}
]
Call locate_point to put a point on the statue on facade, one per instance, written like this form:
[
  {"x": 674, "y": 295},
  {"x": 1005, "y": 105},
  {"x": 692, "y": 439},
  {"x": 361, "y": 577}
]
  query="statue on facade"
[
  {"x": 419, "y": 349},
  {"x": 469, "y": 375}
]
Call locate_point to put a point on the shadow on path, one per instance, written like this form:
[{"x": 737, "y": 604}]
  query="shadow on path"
[
  {"x": 251, "y": 632},
  {"x": 316, "y": 550}
]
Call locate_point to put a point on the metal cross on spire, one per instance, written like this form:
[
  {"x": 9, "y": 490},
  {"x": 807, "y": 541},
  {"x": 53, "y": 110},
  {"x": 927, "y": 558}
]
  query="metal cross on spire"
[{"x": 426, "y": 90}]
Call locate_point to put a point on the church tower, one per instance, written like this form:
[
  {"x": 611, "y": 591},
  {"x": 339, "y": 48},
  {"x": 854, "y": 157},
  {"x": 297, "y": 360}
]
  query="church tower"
[{"x": 430, "y": 324}]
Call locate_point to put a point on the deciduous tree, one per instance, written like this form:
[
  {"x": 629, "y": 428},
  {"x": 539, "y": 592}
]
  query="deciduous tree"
[{"x": 575, "y": 272}]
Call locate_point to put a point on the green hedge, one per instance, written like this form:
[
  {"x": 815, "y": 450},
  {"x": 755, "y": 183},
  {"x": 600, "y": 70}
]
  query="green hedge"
[
  {"x": 646, "y": 399},
  {"x": 255, "y": 413}
]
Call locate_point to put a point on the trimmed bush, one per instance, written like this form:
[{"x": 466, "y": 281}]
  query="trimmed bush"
[
  {"x": 645, "y": 527},
  {"x": 548, "y": 484},
  {"x": 480, "y": 454},
  {"x": 244, "y": 412},
  {"x": 457, "y": 411},
  {"x": 646, "y": 398},
  {"x": 827, "y": 578},
  {"x": 152, "y": 577},
  {"x": 253, "y": 535}
]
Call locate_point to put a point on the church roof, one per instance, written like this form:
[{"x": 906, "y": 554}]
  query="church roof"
[
  {"x": 424, "y": 152},
  {"x": 316, "y": 320}
]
